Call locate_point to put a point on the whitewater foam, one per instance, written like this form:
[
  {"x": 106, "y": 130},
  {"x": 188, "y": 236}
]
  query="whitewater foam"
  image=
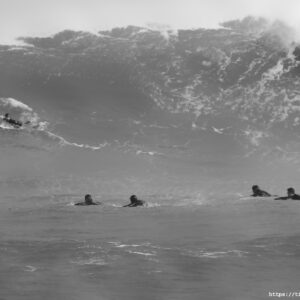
[
  {"x": 32, "y": 124},
  {"x": 215, "y": 254},
  {"x": 11, "y": 102},
  {"x": 90, "y": 261},
  {"x": 30, "y": 269},
  {"x": 142, "y": 253}
]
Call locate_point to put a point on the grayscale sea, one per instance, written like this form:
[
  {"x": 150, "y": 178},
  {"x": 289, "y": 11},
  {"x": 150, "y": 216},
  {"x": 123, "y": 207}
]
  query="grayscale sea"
[
  {"x": 171, "y": 249},
  {"x": 187, "y": 120}
]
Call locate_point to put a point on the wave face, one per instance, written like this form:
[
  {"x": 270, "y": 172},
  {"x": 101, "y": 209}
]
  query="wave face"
[{"x": 137, "y": 109}]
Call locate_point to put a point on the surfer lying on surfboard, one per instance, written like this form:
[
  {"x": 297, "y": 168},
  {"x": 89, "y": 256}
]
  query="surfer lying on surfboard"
[
  {"x": 290, "y": 195},
  {"x": 257, "y": 192},
  {"x": 88, "y": 200},
  {"x": 13, "y": 122},
  {"x": 134, "y": 202}
]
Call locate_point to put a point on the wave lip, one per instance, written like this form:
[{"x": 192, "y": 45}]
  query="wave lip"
[{"x": 13, "y": 103}]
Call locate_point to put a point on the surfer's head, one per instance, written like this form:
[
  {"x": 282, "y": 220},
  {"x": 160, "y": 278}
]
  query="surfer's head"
[
  {"x": 255, "y": 188},
  {"x": 88, "y": 199},
  {"x": 133, "y": 198},
  {"x": 6, "y": 116},
  {"x": 290, "y": 191}
]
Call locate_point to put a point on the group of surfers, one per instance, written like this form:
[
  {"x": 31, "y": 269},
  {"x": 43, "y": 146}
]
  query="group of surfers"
[
  {"x": 257, "y": 192},
  {"x": 134, "y": 201}
]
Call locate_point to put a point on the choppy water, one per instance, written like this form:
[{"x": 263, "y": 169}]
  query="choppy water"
[{"x": 231, "y": 249}]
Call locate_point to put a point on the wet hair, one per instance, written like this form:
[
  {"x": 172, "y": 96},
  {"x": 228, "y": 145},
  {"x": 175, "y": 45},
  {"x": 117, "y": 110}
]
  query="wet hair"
[
  {"x": 133, "y": 197},
  {"x": 291, "y": 190},
  {"x": 88, "y": 198},
  {"x": 255, "y": 187}
]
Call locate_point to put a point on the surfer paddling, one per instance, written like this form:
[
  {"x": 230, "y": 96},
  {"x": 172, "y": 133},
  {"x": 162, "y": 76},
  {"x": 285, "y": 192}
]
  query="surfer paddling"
[
  {"x": 134, "y": 202},
  {"x": 290, "y": 195},
  {"x": 88, "y": 200},
  {"x": 257, "y": 192},
  {"x": 11, "y": 121}
]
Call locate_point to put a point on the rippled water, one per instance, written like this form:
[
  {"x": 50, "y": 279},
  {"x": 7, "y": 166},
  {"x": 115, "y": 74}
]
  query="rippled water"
[{"x": 175, "y": 249}]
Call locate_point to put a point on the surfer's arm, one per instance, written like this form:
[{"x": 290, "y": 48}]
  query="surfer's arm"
[{"x": 266, "y": 194}]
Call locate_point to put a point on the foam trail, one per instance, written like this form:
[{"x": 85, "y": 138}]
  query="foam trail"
[
  {"x": 142, "y": 253},
  {"x": 30, "y": 269},
  {"x": 91, "y": 261},
  {"x": 151, "y": 153},
  {"x": 63, "y": 142}
]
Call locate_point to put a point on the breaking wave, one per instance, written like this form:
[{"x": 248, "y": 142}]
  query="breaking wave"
[{"x": 34, "y": 128}]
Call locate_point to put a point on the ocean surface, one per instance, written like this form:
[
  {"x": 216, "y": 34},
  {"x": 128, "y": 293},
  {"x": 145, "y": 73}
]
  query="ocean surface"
[
  {"x": 188, "y": 121},
  {"x": 173, "y": 248}
]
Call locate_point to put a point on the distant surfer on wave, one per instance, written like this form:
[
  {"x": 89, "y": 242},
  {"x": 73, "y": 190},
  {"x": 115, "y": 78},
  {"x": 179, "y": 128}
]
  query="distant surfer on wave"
[
  {"x": 290, "y": 195},
  {"x": 134, "y": 201},
  {"x": 11, "y": 121},
  {"x": 257, "y": 192},
  {"x": 88, "y": 200}
]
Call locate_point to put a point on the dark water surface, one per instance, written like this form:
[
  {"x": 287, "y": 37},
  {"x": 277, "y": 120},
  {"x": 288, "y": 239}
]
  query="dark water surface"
[{"x": 50, "y": 249}]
